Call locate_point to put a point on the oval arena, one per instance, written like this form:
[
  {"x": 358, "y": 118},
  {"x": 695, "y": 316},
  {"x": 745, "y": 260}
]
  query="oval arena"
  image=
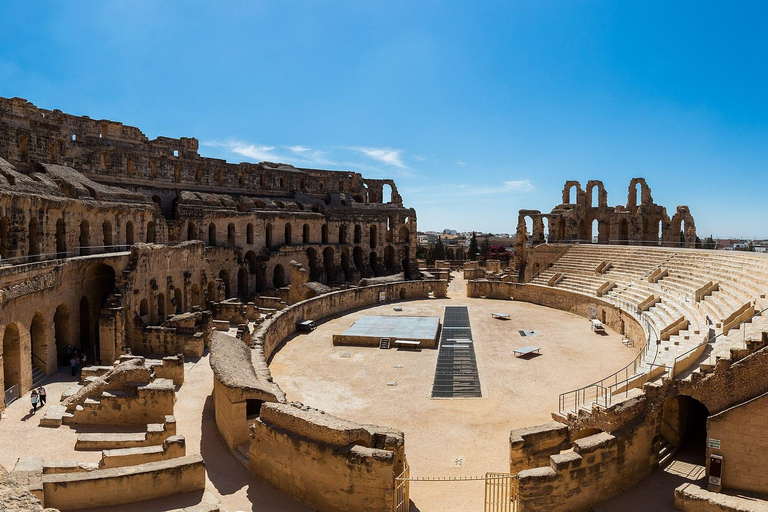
[{"x": 582, "y": 375}]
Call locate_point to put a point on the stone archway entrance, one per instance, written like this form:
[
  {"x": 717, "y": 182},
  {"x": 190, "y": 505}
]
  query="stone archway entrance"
[{"x": 684, "y": 428}]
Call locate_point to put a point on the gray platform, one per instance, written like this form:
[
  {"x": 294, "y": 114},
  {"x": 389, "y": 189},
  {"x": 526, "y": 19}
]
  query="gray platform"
[{"x": 373, "y": 328}]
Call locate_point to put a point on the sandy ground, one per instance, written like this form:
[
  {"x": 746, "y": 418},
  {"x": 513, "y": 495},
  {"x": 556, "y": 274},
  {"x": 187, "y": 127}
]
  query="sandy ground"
[{"x": 451, "y": 437}]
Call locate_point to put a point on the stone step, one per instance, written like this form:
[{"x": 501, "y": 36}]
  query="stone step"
[{"x": 54, "y": 416}]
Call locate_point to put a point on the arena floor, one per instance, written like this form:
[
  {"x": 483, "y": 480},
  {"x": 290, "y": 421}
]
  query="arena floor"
[{"x": 451, "y": 437}]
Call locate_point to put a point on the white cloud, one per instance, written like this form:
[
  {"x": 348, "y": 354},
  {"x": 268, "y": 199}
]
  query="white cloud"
[
  {"x": 302, "y": 155},
  {"x": 419, "y": 158},
  {"x": 460, "y": 162},
  {"x": 519, "y": 186},
  {"x": 298, "y": 149},
  {"x": 388, "y": 156}
]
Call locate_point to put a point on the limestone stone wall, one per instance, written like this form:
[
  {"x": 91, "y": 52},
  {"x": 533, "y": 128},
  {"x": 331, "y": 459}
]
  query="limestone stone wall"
[
  {"x": 329, "y": 463},
  {"x": 743, "y": 434}
]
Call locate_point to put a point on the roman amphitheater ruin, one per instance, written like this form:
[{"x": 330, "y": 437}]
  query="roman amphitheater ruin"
[{"x": 262, "y": 337}]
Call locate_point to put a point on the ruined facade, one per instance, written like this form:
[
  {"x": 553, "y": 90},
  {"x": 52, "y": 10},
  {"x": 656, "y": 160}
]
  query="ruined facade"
[
  {"x": 584, "y": 216},
  {"x": 105, "y": 233}
]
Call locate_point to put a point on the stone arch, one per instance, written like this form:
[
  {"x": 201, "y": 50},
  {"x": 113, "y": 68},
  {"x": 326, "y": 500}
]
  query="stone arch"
[
  {"x": 358, "y": 198},
  {"x": 33, "y": 242},
  {"x": 129, "y": 234},
  {"x": 191, "y": 231},
  {"x": 195, "y": 299},
  {"x": 151, "y": 234},
  {"x": 594, "y": 231},
  {"x": 329, "y": 265},
  {"x": 61, "y": 332},
  {"x": 178, "y": 298},
  {"x": 211, "y": 292},
  {"x": 372, "y": 236},
  {"x": 85, "y": 237},
  {"x": 645, "y": 193},
  {"x": 314, "y": 269},
  {"x": 161, "y": 309},
  {"x": 345, "y": 268},
  {"x": 622, "y": 230},
  {"x": 12, "y": 356},
  {"x": 39, "y": 343},
  {"x": 249, "y": 234},
  {"x": 386, "y": 193},
  {"x": 357, "y": 258},
  {"x": 373, "y": 261},
  {"x": 212, "y": 234},
  {"x": 107, "y": 235},
  {"x": 389, "y": 259},
  {"x": 404, "y": 235},
  {"x": 568, "y": 197},
  {"x": 288, "y": 233},
  {"x": 324, "y": 234},
  {"x": 224, "y": 276},
  {"x": 684, "y": 423},
  {"x": 143, "y": 308},
  {"x": 305, "y": 234},
  {"x": 242, "y": 283},
  {"x": 231, "y": 235},
  {"x": 342, "y": 234},
  {"x": 268, "y": 235},
  {"x": 278, "y": 276},
  {"x": 358, "y": 238},
  {"x": 599, "y": 201}
]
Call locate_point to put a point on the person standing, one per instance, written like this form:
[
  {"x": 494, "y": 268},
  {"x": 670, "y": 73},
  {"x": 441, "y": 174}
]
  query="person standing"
[
  {"x": 35, "y": 399},
  {"x": 73, "y": 365},
  {"x": 43, "y": 395}
]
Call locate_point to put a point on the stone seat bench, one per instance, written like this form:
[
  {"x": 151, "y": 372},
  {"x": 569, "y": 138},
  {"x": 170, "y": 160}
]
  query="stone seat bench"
[
  {"x": 171, "y": 448},
  {"x": 155, "y": 434},
  {"x": 116, "y": 486}
]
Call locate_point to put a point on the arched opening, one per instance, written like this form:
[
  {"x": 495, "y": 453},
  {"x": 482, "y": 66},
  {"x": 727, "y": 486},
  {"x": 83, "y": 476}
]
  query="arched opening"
[
  {"x": 345, "y": 265},
  {"x": 224, "y": 276},
  {"x": 242, "y": 283},
  {"x": 405, "y": 235},
  {"x": 324, "y": 234},
  {"x": 5, "y": 227},
  {"x": 372, "y": 237},
  {"x": 358, "y": 234},
  {"x": 406, "y": 263},
  {"x": 278, "y": 276},
  {"x": 386, "y": 193},
  {"x": 373, "y": 260},
  {"x": 231, "y": 241},
  {"x": 594, "y": 232},
  {"x": 572, "y": 196},
  {"x": 268, "y": 236},
  {"x": 160, "y": 307},
  {"x": 684, "y": 428},
  {"x": 357, "y": 257},
  {"x": 211, "y": 292},
  {"x": 61, "y": 333},
  {"x": 528, "y": 226},
  {"x": 358, "y": 198},
  {"x": 594, "y": 193},
  {"x": 144, "y": 308},
  {"x": 11, "y": 356},
  {"x": 129, "y": 233},
  {"x": 545, "y": 232},
  {"x": 682, "y": 233},
  {"x": 638, "y": 194},
  {"x": 330, "y": 268},
  {"x": 342, "y": 234},
  {"x": 389, "y": 259},
  {"x": 212, "y": 234},
  {"x": 191, "y": 231},
  {"x": 623, "y": 234},
  {"x": 86, "y": 339},
  {"x": 150, "y": 232},
  {"x": 560, "y": 228},
  {"x": 34, "y": 238},
  {"x": 305, "y": 234},
  {"x": 39, "y": 344},
  {"x": 314, "y": 270},
  {"x": 660, "y": 231},
  {"x": 178, "y": 298},
  {"x": 249, "y": 234},
  {"x": 106, "y": 232},
  {"x": 195, "y": 299},
  {"x": 85, "y": 237},
  {"x": 288, "y": 233},
  {"x": 159, "y": 202}
]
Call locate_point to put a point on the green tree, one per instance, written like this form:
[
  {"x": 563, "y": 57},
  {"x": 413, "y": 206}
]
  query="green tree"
[
  {"x": 438, "y": 253},
  {"x": 485, "y": 248},
  {"x": 473, "y": 249}
]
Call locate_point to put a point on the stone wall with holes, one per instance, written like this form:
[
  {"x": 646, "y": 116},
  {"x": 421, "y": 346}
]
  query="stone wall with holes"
[{"x": 329, "y": 463}]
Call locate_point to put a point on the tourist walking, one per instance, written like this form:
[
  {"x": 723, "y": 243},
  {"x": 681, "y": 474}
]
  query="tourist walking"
[
  {"x": 43, "y": 395},
  {"x": 35, "y": 399},
  {"x": 73, "y": 365}
]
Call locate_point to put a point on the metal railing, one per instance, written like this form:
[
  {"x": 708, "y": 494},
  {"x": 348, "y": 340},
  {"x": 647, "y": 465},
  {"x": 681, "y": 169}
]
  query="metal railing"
[
  {"x": 93, "y": 250},
  {"x": 11, "y": 394}
]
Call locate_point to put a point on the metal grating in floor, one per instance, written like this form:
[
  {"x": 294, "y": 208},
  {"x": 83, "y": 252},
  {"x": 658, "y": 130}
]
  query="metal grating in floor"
[{"x": 456, "y": 371}]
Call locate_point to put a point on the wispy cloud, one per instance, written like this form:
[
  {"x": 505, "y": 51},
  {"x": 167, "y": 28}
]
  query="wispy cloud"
[
  {"x": 419, "y": 158},
  {"x": 462, "y": 163},
  {"x": 449, "y": 191},
  {"x": 388, "y": 156},
  {"x": 297, "y": 154}
]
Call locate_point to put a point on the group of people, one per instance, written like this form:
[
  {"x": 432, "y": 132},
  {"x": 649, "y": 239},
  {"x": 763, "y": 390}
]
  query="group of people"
[
  {"x": 38, "y": 398},
  {"x": 77, "y": 360}
]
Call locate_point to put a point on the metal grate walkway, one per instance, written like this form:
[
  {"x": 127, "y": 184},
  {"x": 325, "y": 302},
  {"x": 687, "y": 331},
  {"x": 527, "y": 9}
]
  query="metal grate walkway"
[{"x": 456, "y": 372}]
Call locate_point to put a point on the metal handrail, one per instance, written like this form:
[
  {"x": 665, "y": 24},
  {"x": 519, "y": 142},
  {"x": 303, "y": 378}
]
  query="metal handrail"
[{"x": 60, "y": 255}]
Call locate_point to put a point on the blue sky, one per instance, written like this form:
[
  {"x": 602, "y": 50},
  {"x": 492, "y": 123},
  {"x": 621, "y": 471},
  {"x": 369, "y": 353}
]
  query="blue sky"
[{"x": 476, "y": 109}]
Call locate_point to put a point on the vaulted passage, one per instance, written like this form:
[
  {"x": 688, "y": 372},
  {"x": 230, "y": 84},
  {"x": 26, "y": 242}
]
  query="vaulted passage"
[{"x": 456, "y": 371}]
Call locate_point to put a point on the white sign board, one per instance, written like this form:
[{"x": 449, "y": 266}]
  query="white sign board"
[
  {"x": 714, "y": 443},
  {"x": 382, "y": 296}
]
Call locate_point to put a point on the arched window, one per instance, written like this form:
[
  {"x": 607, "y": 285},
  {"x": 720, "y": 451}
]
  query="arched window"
[
  {"x": 249, "y": 234},
  {"x": 324, "y": 233},
  {"x": 212, "y": 234},
  {"x": 288, "y": 233},
  {"x": 373, "y": 237},
  {"x": 305, "y": 234}
]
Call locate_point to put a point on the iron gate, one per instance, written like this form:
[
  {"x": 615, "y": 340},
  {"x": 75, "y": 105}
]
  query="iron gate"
[{"x": 500, "y": 490}]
